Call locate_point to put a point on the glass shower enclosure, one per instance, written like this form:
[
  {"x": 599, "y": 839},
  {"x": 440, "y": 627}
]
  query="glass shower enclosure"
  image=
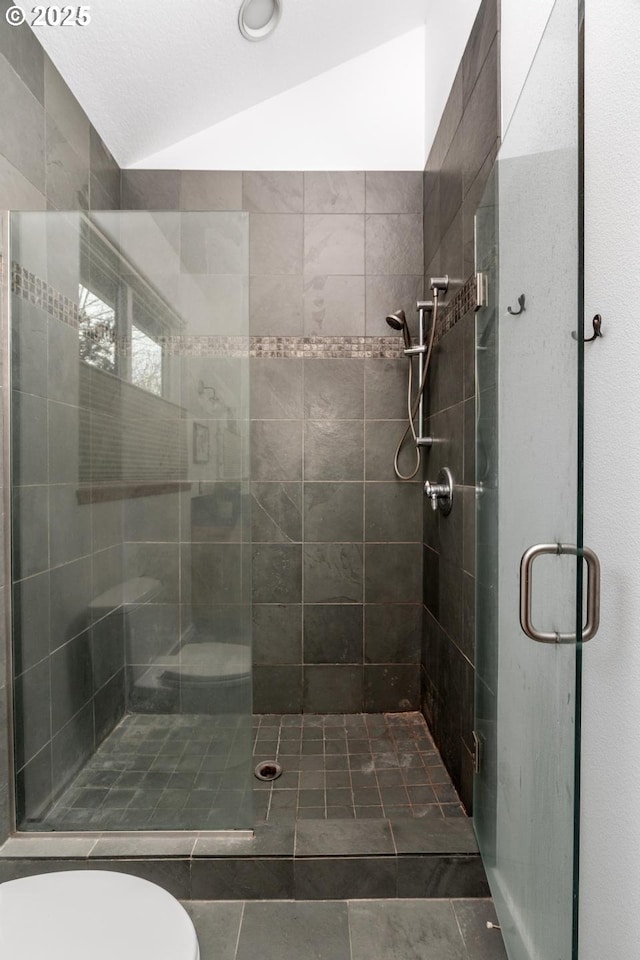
[
  {"x": 529, "y": 635},
  {"x": 131, "y": 592}
]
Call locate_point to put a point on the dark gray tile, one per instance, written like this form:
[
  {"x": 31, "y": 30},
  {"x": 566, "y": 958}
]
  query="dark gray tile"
[
  {"x": 393, "y": 633},
  {"x": 31, "y": 621},
  {"x": 25, "y": 54},
  {"x": 483, "y": 34},
  {"x": 67, "y": 173},
  {"x": 171, "y": 874},
  {"x": 394, "y": 243},
  {"x": 468, "y": 636},
  {"x": 334, "y": 245},
  {"x": 34, "y": 790},
  {"x": 469, "y": 450},
  {"x": 109, "y": 707},
  {"x": 434, "y": 835},
  {"x": 276, "y": 306},
  {"x": 32, "y": 706},
  {"x": 150, "y": 189},
  {"x": 105, "y": 172},
  {"x": 449, "y": 122},
  {"x": 211, "y": 190},
  {"x": 210, "y": 572},
  {"x": 72, "y": 746},
  {"x": 277, "y": 634},
  {"x": 333, "y": 512},
  {"x": 64, "y": 442},
  {"x": 334, "y": 389},
  {"x": 269, "y": 840},
  {"x": 331, "y": 878},
  {"x": 30, "y": 542},
  {"x": 276, "y": 244},
  {"x": 332, "y": 688},
  {"x": 276, "y": 389},
  {"x": 391, "y": 687},
  {"x": 276, "y": 512},
  {"x": 480, "y": 119},
  {"x": 70, "y": 597},
  {"x": 29, "y": 449},
  {"x": 394, "y": 192},
  {"x": 334, "y": 192},
  {"x": 385, "y": 384},
  {"x": 343, "y": 839},
  {"x": 333, "y": 573},
  {"x": 386, "y": 293},
  {"x": 318, "y": 931},
  {"x": 276, "y": 450},
  {"x": 393, "y": 572},
  {"x": 333, "y": 450},
  {"x": 69, "y": 524},
  {"x": 334, "y": 306},
  {"x": 381, "y": 442},
  {"x": 272, "y": 191},
  {"x": 277, "y": 573},
  {"x": 22, "y": 134},
  {"x": 333, "y": 633},
  {"x": 217, "y": 926},
  {"x": 404, "y": 930},
  {"x": 108, "y": 647},
  {"x": 481, "y": 943},
  {"x": 71, "y": 679},
  {"x": 154, "y": 518},
  {"x": 277, "y": 689},
  {"x": 391, "y": 511},
  {"x": 29, "y": 347},
  {"x": 441, "y": 876},
  {"x": 468, "y": 496},
  {"x": 242, "y": 879}
]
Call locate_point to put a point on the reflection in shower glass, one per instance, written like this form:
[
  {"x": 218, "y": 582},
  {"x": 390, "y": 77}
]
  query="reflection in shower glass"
[{"x": 130, "y": 528}]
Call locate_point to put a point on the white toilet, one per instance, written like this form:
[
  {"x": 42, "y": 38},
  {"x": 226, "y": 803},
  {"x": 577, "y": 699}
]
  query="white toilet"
[{"x": 92, "y": 915}]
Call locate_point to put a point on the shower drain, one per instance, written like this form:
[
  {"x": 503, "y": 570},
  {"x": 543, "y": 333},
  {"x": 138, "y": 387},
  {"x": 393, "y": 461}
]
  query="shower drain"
[{"x": 268, "y": 770}]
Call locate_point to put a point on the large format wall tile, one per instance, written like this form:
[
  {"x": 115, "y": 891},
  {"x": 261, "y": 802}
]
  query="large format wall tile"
[
  {"x": 339, "y": 192},
  {"x": 456, "y": 175},
  {"x": 334, "y": 244}
]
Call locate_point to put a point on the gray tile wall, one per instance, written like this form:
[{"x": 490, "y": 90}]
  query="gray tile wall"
[
  {"x": 336, "y": 539},
  {"x": 51, "y": 158},
  {"x": 455, "y": 176}
]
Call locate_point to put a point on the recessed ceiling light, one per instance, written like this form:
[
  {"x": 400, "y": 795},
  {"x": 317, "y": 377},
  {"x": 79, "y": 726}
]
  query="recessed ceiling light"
[{"x": 259, "y": 18}]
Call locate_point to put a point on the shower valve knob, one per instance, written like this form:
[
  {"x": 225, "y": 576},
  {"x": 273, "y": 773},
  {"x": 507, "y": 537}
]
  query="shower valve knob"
[{"x": 441, "y": 493}]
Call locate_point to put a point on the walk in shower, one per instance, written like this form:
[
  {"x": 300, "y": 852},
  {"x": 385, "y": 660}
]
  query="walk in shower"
[{"x": 130, "y": 561}]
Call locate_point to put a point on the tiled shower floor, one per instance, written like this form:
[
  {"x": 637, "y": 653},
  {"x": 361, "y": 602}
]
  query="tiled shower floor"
[
  {"x": 355, "y": 765},
  {"x": 186, "y": 773}
]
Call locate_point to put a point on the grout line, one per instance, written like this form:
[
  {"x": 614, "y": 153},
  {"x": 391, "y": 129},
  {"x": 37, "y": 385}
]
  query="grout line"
[{"x": 244, "y": 903}]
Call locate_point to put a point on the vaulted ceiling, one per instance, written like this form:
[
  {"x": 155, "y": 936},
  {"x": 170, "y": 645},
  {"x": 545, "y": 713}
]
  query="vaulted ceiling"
[{"x": 152, "y": 73}]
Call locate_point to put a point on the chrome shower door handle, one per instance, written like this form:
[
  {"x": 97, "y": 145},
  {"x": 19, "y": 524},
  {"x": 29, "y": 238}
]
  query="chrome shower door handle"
[{"x": 590, "y": 628}]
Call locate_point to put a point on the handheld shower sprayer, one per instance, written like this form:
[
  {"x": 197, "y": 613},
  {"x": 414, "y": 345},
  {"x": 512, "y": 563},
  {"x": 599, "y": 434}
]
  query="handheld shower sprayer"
[
  {"x": 398, "y": 321},
  {"x": 423, "y": 351}
]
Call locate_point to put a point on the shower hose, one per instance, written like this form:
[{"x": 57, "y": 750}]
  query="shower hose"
[{"x": 412, "y": 405}]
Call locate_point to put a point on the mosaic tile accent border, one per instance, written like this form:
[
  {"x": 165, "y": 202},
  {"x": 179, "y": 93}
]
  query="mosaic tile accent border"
[
  {"x": 38, "y": 292},
  {"x": 461, "y": 304}
]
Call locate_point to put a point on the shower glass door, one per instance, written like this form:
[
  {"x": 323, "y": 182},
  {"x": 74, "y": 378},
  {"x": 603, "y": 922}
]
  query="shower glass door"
[
  {"x": 529, "y": 491},
  {"x": 130, "y": 530}
]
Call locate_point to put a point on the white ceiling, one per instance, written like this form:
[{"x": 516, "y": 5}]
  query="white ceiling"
[{"x": 150, "y": 73}]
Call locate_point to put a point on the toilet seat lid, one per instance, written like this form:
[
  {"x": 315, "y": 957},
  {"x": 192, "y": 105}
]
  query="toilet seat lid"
[{"x": 97, "y": 914}]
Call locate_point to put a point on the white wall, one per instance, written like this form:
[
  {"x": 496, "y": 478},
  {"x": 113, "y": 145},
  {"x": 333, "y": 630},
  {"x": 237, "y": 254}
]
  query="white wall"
[
  {"x": 448, "y": 28},
  {"x": 610, "y": 884},
  {"x": 367, "y": 114}
]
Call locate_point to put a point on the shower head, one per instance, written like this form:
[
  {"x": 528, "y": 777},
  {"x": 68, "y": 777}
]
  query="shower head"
[{"x": 398, "y": 321}]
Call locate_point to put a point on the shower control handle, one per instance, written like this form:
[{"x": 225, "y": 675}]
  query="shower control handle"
[{"x": 441, "y": 493}]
